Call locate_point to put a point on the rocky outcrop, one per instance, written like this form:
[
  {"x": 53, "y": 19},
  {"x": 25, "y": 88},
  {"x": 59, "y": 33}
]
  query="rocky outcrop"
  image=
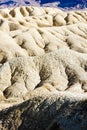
[
  {"x": 34, "y": 31},
  {"x": 49, "y": 112},
  {"x": 43, "y": 69},
  {"x": 64, "y": 70},
  {"x": 38, "y": 16}
]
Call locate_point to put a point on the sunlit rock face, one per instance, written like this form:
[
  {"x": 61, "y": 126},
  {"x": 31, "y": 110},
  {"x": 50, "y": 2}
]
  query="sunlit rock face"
[
  {"x": 43, "y": 69},
  {"x": 68, "y": 4},
  {"x": 43, "y": 66}
]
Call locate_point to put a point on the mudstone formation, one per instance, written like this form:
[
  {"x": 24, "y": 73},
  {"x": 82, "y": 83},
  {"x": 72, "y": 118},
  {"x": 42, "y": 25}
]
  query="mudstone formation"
[{"x": 43, "y": 69}]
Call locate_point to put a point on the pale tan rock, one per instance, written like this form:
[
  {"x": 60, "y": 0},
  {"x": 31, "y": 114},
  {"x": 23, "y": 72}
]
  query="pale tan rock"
[
  {"x": 59, "y": 20},
  {"x": 25, "y": 72},
  {"x": 5, "y": 76},
  {"x": 18, "y": 89},
  {"x": 4, "y": 26},
  {"x": 43, "y": 68},
  {"x": 37, "y": 40},
  {"x": 14, "y": 26},
  {"x": 31, "y": 42},
  {"x": 9, "y": 48},
  {"x": 34, "y": 31},
  {"x": 1, "y": 97},
  {"x": 42, "y": 16},
  {"x": 56, "y": 71}
]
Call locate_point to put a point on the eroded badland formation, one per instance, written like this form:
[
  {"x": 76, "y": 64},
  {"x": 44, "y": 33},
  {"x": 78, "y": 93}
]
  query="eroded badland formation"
[{"x": 43, "y": 69}]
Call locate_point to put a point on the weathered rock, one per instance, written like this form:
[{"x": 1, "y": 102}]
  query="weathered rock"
[
  {"x": 43, "y": 69},
  {"x": 47, "y": 112},
  {"x": 9, "y": 48},
  {"x": 64, "y": 70},
  {"x": 5, "y": 76},
  {"x": 37, "y": 33}
]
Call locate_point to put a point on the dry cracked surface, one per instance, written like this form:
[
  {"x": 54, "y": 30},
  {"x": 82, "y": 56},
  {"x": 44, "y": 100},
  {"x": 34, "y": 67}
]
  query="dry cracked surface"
[{"x": 43, "y": 61}]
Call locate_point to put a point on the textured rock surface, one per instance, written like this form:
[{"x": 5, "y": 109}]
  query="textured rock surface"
[
  {"x": 63, "y": 70},
  {"x": 49, "y": 112},
  {"x": 43, "y": 69}
]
